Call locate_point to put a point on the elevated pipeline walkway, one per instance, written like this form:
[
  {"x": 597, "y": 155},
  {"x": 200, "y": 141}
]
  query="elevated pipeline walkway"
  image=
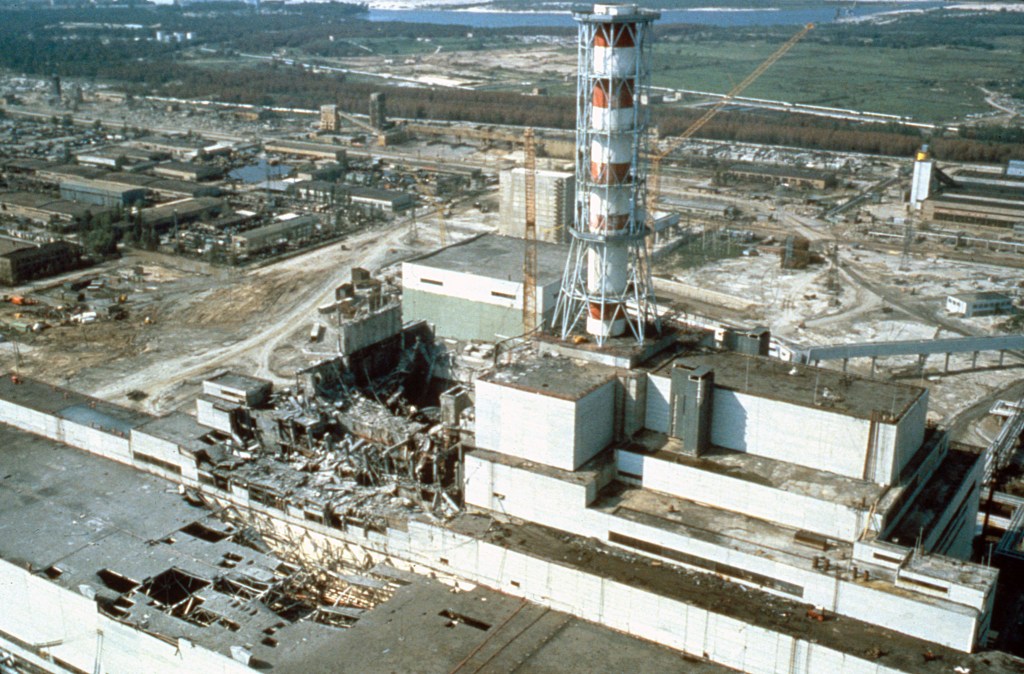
[{"x": 922, "y": 348}]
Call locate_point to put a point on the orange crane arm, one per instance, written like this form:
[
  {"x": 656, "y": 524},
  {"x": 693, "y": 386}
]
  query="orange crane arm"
[
  {"x": 530, "y": 233},
  {"x": 655, "y": 188}
]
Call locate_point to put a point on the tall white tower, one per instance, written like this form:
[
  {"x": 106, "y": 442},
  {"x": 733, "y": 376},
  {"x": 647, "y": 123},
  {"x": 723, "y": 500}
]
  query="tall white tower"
[
  {"x": 607, "y": 279},
  {"x": 921, "y": 185}
]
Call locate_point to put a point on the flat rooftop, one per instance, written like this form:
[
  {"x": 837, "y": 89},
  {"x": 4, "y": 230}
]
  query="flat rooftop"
[
  {"x": 76, "y": 515},
  {"x": 181, "y": 429},
  {"x": 804, "y": 385},
  {"x": 983, "y": 296},
  {"x": 498, "y": 257},
  {"x": 750, "y": 605},
  {"x": 67, "y": 404},
  {"x": 789, "y": 477},
  {"x": 46, "y": 203},
  {"x": 552, "y": 375},
  {"x": 72, "y": 514},
  {"x": 240, "y": 382}
]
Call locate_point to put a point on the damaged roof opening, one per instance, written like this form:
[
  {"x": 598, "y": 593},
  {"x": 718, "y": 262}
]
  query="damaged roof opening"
[{"x": 173, "y": 586}]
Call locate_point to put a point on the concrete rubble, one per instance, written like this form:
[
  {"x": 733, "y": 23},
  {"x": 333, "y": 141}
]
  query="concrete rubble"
[{"x": 351, "y": 447}]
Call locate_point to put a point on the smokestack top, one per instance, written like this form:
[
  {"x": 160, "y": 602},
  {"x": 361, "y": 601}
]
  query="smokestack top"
[
  {"x": 614, "y": 13},
  {"x": 615, "y": 10}
]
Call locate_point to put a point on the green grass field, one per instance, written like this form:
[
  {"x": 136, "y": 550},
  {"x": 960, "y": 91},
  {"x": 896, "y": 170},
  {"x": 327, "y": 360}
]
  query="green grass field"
[{"x": 928, "y": 83}]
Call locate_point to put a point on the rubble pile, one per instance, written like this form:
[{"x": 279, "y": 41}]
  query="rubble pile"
[{"x": 347, "y": 450}]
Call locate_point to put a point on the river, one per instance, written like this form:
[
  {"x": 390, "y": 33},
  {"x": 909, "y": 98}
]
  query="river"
[{"x": 707, "y": 16}]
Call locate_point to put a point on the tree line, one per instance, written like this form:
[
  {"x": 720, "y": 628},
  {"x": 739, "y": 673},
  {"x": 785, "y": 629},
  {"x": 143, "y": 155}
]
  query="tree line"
[{"x": 292, "y": 86}]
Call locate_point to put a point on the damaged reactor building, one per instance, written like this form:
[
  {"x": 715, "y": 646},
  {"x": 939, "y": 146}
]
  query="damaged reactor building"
[{"x": 658, "y": 497}]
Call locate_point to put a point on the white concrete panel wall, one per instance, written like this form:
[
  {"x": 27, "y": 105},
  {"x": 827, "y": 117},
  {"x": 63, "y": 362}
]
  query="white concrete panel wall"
[
  {"x": 815, "y": 438},
  {"x": 514, "y": 492},
  {"x": 628, "y": 462},
  {"x": 659, "y": 390},
  {"x": 949, "y": 625},
  {"x": 756, "y": 500},
  {"x": 595, "y": 423},
  {"x": 96, "y": 441},
  {"x": 50, "y": 426},
  {"x": 897, "y": 443},
  {"x": 462, "y": 285},
  {"x": 671, "y": 622},
  {"x": 637, "y": 612},
  {"x": 208, "y": 415},
  {"x": 910, "y": 433},
  {"x": 474, "y": 287},
  {"x": 38, "y": 611},
  {"x": 920, "y": 185},
  {"x": 363, "y": 332},
  {"x": 158, "y": 448},
  {"x": 526, "y": 425},
  {"x": 804, "y": 578},
  {"x": 30, "y": 420},
  {"x": 961, "y": 594}
]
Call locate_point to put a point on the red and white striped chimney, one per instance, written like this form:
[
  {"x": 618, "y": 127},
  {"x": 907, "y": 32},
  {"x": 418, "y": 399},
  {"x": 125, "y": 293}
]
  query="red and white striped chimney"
[{"x": 601, "y": 280}]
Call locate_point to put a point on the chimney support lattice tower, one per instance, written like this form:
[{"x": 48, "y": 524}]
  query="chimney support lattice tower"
[{"x": 606, "y": 283}]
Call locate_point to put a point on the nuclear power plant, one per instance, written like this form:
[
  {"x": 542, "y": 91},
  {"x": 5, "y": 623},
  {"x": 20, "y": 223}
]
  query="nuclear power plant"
[{"x": 506, "y": 444}]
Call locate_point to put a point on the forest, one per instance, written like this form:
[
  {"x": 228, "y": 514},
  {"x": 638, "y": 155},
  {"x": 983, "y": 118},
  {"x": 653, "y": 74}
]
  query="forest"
[{"x": 292, "y": 86}]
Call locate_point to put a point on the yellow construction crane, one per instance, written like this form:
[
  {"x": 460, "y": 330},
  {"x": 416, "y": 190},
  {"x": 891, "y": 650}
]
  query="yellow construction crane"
[
  {"x": 439, "y": 207},
  {"x": 530, "y": 234},
  {"x": 654, "y": 188}
]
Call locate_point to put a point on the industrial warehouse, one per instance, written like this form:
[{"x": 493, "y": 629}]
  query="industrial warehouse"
[{"x": 354, "y": 398}]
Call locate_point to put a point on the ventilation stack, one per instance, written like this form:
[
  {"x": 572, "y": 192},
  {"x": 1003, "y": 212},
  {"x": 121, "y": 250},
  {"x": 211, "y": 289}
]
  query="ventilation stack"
[
  {"x": 607, "y": 280},
  {"x": 921, "y": 185}
]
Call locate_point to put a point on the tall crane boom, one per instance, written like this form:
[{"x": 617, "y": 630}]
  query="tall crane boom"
[
  {"x": 655, "y": 186},
  {"x": 530, "y": 234}
]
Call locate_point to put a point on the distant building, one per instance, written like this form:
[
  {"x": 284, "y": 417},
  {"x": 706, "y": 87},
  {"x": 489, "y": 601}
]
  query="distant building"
[
  {"x": 55, "y": 213},
  {"x": 318, "y": 191},
  {"x": 969, "y": 305},
  {"x": 554, "y": 192},
  {"x": 975, "y": 208},
  {"x": 187, "y": 171},
  {"x": 102, "y": 192},
  {"x": 182, "y": 211},
  {"x": 264, "y": 238},
  {"x": 120, "y": 158},
  {"x": 328, "y": 118},
  {"x": 181, "y": 148},
  {"x": 20, "y": 261},
  {"x": 378, "y": 110},
  {"x": 987, "y": 197},
  {"x": 386, "y": 201},
  {"x": 168, "y": 188},
  {"x": 783, "y": 175}
]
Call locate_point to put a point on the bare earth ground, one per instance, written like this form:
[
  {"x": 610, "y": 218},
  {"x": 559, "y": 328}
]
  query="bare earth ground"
[{"x": 203, "y": 319}]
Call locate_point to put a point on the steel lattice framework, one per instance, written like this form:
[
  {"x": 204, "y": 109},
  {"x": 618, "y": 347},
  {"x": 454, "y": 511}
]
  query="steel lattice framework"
[{"x": 607, "y": 278}]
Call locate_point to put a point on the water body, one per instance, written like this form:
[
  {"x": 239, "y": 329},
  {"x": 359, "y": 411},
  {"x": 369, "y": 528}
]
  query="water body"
[{"x": 711, "y": 17}]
